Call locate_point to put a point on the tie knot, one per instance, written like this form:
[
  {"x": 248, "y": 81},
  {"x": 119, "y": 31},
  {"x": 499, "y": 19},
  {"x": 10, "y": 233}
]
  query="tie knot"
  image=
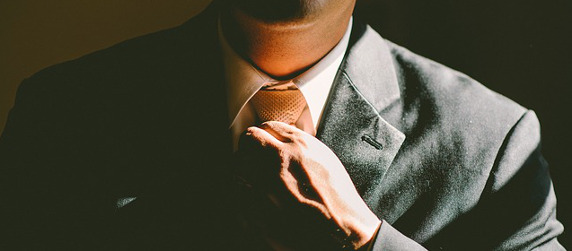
[{"x": 284, "y": 105}]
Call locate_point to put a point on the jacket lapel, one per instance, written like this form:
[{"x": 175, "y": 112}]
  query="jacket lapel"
[{"x": 351, "y": 124}]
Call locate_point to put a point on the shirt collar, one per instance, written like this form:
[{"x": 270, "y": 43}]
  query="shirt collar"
[{"x": 243, "y": 80}]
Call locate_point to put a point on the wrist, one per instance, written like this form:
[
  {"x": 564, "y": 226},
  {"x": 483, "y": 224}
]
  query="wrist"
[
  {"x": 366, "y": 235},
  {"x": 369, "y": 245},
  {"x": 357, "y": 236}
]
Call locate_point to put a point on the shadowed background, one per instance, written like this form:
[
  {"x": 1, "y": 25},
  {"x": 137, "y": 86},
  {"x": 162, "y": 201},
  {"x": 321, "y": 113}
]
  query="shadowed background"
[{"x": 518, "y": 48}]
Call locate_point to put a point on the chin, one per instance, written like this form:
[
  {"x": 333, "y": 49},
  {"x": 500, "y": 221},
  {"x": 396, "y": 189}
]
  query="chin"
[{"x": 281, "y": 10}]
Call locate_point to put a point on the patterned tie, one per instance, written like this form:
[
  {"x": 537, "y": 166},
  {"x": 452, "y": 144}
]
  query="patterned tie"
[{"x": 283, "y": 103}]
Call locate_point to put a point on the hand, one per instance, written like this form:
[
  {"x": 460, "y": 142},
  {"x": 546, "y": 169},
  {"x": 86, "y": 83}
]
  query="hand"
[{"x": 299, "y": 173}]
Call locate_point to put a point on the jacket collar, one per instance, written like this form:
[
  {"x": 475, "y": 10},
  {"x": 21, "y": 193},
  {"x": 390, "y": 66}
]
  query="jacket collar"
[{"x": 352, "y": 126}]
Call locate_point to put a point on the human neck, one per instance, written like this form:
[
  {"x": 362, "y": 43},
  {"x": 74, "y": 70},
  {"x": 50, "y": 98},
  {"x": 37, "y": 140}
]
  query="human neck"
[{"x": 284, "y": 50}]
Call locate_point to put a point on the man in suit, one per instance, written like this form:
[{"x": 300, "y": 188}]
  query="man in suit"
[{"x": 160, "y": 143}]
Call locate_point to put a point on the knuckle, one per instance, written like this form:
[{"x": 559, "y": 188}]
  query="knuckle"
[{"x": 270, "y": 124}]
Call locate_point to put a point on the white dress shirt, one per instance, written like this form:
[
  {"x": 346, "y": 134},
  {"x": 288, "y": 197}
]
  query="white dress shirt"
[{"x": 243, "y": 80}]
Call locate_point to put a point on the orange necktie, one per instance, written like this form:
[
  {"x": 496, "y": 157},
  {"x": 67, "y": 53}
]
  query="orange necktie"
[{"x": 279, "y": 104}]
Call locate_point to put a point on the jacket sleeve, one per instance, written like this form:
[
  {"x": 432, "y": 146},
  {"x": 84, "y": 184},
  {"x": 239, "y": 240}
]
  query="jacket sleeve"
[
  {"x": 44, "y": 203},
  {"x": 516, "y": 211},
  {"x": 21, "y": 156},
  {"x": 388, "y": 238},
  {"x": 520, "y": 193},
  {"x": 58, "y": 192}
]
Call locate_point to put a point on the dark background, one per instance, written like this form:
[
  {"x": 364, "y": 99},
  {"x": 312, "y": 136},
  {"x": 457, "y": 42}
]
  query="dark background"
[{"x": 518, "y": 48}]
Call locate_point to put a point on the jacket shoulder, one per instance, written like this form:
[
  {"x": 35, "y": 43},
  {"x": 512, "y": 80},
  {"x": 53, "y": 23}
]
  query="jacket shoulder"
[
  {"x": 149, "y": 72},
  {"x": 128, "y": 63},
  {"x": 451, "y": 99}
]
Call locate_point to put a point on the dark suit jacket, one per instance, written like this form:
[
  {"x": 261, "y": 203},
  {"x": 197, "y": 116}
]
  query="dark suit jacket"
[{"x": 128, "y": 148}]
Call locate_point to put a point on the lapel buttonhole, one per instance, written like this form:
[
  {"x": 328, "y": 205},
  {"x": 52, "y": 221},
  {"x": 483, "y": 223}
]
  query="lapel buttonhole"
[{"x": 372, "y": 142}]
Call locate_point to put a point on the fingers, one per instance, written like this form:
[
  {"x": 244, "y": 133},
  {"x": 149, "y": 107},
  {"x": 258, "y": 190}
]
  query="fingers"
[
  {"x": 273, "y": 133},
  {"x": 287, "y": 133},
  {"x": 256, "y": 153},
  {"x": 279, "y": 130},
  {"x": 263, "y": 137}
]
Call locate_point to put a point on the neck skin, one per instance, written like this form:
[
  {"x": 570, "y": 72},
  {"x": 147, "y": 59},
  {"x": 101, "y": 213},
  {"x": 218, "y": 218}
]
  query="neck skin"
[{"x": 283, "y": 50}]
